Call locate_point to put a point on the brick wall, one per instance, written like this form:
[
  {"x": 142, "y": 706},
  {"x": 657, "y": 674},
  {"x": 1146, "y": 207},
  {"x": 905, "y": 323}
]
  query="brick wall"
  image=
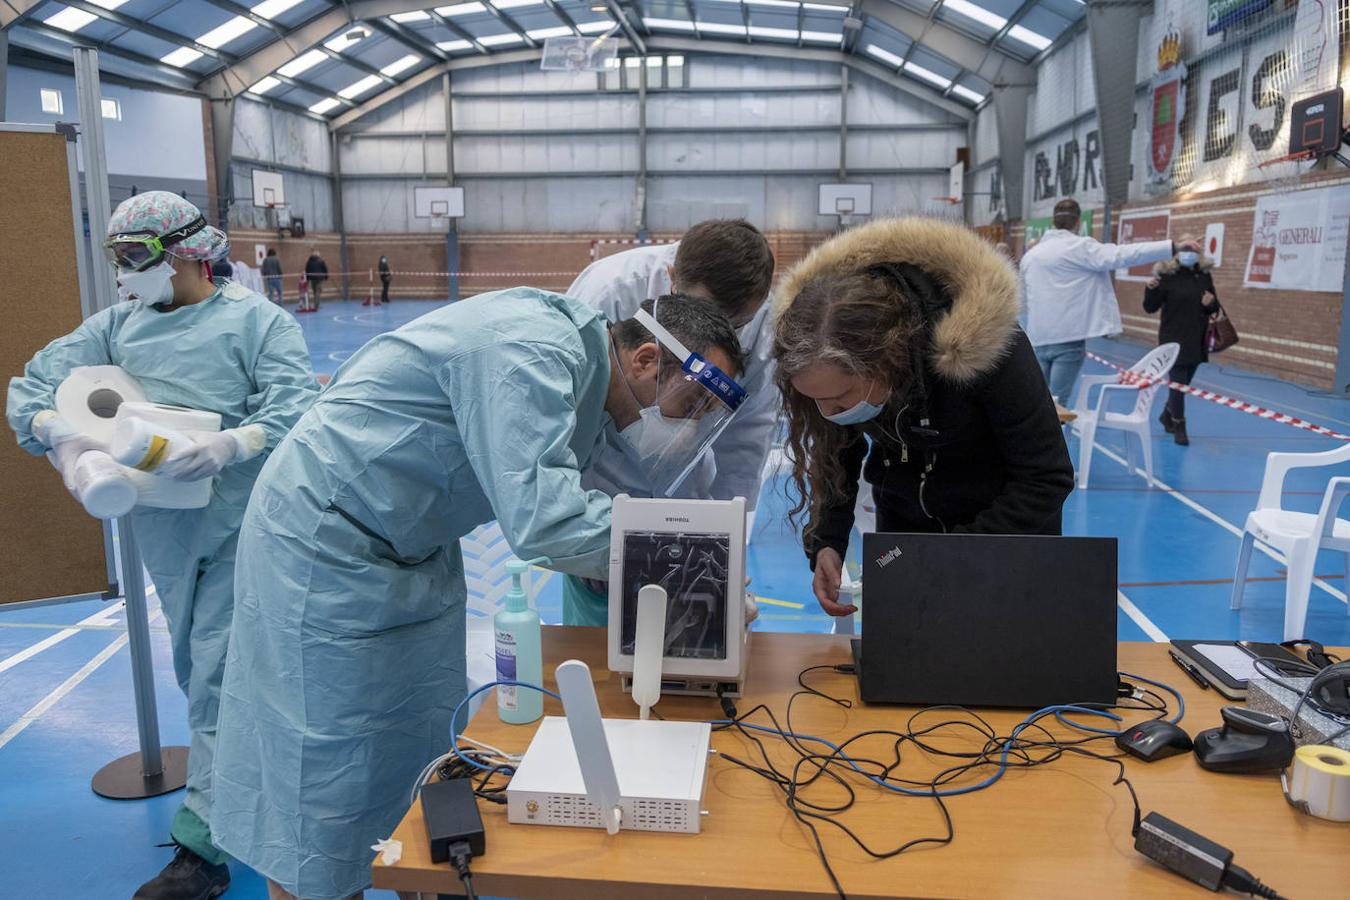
[
  {"x": 1289, "y": 334},
  {"x": 490, "y": 261}
]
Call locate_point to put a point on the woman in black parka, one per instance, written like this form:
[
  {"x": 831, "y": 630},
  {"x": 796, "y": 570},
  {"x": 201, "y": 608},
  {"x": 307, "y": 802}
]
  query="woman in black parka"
[{"x": 1183, "y": 290}]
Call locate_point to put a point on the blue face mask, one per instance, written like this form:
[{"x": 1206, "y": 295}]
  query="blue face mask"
[
  {"x": 857, "y": 414},
  {"x": 1188, "y": 259}
]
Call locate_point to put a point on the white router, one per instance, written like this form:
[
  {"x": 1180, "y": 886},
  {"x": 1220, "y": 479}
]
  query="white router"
[{"x": 637, "y": 774}]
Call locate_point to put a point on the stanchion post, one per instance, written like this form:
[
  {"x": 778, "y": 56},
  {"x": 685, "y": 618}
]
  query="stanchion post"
[{"x": 154, "y": 770}]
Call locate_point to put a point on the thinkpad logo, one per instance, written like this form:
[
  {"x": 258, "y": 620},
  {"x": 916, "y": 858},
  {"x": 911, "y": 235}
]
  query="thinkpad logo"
[{"x": 887, "y": 558}]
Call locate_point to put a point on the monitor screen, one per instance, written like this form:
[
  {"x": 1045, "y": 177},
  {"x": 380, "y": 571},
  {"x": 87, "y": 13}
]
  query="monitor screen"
[{"x": 693, "y": 568}]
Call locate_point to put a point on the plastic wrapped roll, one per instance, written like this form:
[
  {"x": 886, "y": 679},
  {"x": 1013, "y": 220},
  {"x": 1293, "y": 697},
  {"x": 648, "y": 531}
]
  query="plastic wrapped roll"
[
  {"x": 148, "y": 441},
  {"x": 105, "y": 488},
  {"x": 1320, "y": 782}
]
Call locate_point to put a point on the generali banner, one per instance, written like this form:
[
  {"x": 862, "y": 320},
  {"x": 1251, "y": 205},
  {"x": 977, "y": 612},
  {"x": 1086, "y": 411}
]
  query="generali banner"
[{"x": 1299, "y": 240}]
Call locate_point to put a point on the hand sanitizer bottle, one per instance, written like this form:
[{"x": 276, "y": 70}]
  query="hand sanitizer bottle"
[{"x": 519, "y": 654}]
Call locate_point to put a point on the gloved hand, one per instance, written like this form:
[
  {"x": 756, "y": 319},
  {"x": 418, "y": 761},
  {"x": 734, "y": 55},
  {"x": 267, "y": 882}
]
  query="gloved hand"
[
  {"x": 65, "y": 443},
  {"x": 210, "y": 452},
  {"x": 214, "y": 450}
]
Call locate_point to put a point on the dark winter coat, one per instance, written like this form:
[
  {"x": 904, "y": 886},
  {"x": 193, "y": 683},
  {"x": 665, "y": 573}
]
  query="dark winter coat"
[
  {"x": 991, "y": 457},
  {"x": 1185, "y": 316},
  {"x": 316, "y": 269},
  {"x": 385, "y": 274}
]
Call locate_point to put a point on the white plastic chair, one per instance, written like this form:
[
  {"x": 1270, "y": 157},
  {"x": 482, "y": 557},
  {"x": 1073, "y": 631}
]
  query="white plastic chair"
[
  {"x": 1154, "y": 367},
  {"x": 1297, "y": 535}
]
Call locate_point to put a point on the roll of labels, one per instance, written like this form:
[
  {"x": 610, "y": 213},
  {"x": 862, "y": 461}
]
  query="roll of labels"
[
  {"x": 107, "y": 404},
  {"x": 1319, "y": 782}
]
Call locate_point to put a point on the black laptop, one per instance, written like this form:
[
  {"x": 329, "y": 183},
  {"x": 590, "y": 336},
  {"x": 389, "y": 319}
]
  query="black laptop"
[{"x": 987, "y": 620}]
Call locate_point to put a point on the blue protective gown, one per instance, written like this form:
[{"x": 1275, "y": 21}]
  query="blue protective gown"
[
  {"x": 347, "y": 654},
  {"x": 235, "y": 354}
]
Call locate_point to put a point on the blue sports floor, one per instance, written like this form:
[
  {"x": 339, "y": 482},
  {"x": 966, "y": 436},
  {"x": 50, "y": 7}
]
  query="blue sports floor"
[{"x": 65, "y": 697}]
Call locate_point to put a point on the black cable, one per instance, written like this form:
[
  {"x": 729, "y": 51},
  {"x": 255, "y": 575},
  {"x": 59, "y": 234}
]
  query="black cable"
[
  {"x": 1244, "y": 882},
  {"x": 460, "y": 854},
  {"x": 484, "y": 789},
  {"x": 1034, "y": 746}
]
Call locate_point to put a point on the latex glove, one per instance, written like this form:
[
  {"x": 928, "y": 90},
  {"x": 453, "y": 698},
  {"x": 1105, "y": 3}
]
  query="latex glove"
[
  {"x": 65, "y": 443},
  {"x": 210, "y": 452},
  {"x": 214, "y": 450},
  {"x": 825, "y": 585},
  {"x": 1192, "y": 246}
]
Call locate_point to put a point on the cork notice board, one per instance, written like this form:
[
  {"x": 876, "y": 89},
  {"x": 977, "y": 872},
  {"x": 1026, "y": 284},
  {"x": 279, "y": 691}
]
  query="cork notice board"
[{"x": 50, "y": 546}]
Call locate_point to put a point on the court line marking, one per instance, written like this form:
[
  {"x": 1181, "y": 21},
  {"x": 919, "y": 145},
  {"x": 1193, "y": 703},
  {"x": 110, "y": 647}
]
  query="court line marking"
[
  {"x": 35, "y": 712},
  {"x": 772, "y": 602},
  {"x": 1212, "y": 516},
  {"x": 96, "y": 620},
  {"x": 114, "y": 626},
  {"x": 1139, "y": 618}
]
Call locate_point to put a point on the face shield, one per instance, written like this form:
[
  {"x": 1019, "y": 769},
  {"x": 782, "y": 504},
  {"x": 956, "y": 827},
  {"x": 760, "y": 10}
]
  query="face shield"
[{"x": 695, "y": 401}]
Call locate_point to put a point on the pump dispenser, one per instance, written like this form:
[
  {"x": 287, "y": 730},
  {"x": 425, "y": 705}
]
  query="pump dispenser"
[{"x": 519, "y": 654}]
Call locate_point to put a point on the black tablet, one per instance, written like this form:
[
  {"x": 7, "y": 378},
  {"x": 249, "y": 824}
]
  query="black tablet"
[{"x": 1229, "y": 664}]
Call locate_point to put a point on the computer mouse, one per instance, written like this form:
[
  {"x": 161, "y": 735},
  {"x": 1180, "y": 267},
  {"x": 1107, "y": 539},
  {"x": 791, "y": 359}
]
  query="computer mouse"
[{"x": 1155, "y": 739}]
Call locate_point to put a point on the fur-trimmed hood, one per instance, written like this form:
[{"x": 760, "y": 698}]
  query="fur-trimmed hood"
[
  {"x": 973, "y": 336},
  {"x": 1169, "y": 266}
]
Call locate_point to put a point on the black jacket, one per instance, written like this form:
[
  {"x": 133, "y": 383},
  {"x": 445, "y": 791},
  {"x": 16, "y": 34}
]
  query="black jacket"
[
  {"x": 316, "y": 269},
  {"x": 991, "y": 456},
  {"x": 1184, "y": 315},
  {"x": 385, "y": 274}
]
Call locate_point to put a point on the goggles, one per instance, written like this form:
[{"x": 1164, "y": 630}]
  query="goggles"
[{"x": 136, "y": 251}]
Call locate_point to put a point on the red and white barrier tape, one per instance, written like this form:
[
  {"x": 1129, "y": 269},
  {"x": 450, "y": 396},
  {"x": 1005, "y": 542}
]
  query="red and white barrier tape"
[{"x": 1139, "y": 381}]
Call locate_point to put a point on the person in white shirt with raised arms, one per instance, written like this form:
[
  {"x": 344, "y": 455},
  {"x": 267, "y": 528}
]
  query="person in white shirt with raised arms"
[
  {"x": 729, "y": 262},
  {"x": 1068, "y": 297}
]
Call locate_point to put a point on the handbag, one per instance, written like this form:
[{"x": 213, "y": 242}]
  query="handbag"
[{"x": 1220, "y": 333}]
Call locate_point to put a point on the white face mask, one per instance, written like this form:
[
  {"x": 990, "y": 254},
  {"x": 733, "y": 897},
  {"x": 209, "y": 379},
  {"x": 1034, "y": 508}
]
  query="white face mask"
[
  {"x": 653, "y": 434},
  {"x": 1188, "y": 259},
  {"x": 154, "y": 285}
]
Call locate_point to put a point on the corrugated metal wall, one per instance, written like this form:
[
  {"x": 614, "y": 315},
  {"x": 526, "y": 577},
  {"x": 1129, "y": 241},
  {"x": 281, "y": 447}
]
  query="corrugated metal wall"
[{"x": 713, "y": 149}]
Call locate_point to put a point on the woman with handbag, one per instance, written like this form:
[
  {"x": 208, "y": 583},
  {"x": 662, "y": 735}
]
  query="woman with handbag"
[{"x": 1184, "y": 292}]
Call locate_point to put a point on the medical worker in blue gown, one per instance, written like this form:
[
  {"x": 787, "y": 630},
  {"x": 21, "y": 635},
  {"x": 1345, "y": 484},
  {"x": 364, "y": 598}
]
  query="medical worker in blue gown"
[
  {"x": 347, "y": 653},
  {"x": 189, "y": 342}
]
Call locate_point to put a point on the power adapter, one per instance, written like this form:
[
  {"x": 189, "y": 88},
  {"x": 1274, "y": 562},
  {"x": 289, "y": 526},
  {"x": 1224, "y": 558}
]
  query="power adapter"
[
  {"x": 450, "y": 811},
  {"x": 1195, "y": 856}
]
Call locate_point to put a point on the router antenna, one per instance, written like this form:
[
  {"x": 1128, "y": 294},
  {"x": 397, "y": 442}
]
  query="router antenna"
[
  {"x": 589, "y": 741},
  {"x": 649, "y": 647}
]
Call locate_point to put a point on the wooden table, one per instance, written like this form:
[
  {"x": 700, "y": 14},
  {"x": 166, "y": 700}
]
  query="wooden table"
[{"x": 1059, "y": 830}]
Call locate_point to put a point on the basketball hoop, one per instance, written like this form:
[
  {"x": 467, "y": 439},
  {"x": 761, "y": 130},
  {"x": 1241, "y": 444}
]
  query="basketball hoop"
[{"x": 1285, "y": 173}]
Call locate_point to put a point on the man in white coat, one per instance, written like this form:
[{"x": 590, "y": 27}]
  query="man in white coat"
[
  {"x": 729, "y": 262},
  {"x": 1068, "y": 296}
]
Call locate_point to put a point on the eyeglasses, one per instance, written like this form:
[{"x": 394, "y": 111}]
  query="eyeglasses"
[{"x": 136, "y": 251}]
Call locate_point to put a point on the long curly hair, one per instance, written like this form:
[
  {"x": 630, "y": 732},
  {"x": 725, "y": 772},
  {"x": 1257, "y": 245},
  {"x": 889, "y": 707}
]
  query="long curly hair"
[{"x": 861, "y": 323}]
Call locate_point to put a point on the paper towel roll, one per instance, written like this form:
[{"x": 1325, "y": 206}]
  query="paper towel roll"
[
  {"x": 91, "y": 395},
  {"x": 155, "y": 490},
  {"x": 1320, "y": 782}
]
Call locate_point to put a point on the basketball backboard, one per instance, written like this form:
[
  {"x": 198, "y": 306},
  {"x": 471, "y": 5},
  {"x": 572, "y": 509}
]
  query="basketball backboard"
[
  {"x": 845, "y": 200},
  {"x": 1315, "y": 122},
  {"x": 956, "y": 183},
  {"x": 438, "y": 202},
  {"x": 268, "y": 189}
]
